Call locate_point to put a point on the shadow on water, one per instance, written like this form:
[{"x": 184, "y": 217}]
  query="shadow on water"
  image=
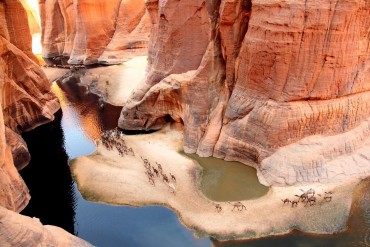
[
  {"x": 48, "y": 177},
  {"x": 228, "y": 181}
]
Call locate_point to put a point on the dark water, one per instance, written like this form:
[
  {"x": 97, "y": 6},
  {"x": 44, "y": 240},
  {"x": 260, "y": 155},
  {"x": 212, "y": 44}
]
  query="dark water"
[{"x": 56, "y": 200}]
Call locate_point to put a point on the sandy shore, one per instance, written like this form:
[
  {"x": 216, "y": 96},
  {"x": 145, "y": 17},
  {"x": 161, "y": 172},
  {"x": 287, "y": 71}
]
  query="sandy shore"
[{"x": 107, "y": 177}]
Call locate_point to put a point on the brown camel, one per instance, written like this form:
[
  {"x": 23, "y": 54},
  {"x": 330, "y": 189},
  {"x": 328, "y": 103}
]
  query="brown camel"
[
  {"x": 286, "y": 200},
  {"x": 238, "y": 205},
  {"x": 311, "y": 200},
  {"x": 218, "y": 207}
]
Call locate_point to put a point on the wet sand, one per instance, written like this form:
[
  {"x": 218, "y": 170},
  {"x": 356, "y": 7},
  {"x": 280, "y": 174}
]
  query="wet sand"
[{"x": 107, "y": 177}]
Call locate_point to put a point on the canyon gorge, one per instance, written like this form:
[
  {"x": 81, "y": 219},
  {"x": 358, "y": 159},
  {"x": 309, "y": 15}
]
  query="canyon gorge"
[{"x": 282, "y": 86}]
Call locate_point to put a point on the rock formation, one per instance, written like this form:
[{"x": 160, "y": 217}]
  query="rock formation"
[
  {"x": 25, "y": 102},
  {"x": 19, "y": 230},
  {"x": 257, "y": 76},
  {"x": 95, "y": 31}
]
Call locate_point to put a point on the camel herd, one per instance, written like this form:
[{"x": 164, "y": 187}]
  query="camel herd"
[
  {"x": 114, "y": 139},
  {"x": 308, "y": 198},
  {"x": 156, "y": 172}
]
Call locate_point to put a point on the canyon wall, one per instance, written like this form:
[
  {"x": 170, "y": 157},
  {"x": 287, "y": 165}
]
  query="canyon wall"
[
  {"x": 250, "y": 78},
  {"x": 25, "y": 102},
  {"x": 92, "y": 31}
]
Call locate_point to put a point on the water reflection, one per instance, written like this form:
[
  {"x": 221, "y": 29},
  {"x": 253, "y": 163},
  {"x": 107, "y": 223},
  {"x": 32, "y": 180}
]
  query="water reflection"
[{"x": 48, "y": 177}]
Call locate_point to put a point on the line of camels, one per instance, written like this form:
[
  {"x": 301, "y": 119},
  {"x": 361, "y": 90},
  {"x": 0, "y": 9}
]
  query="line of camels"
[{"x": 308, "y": 197}]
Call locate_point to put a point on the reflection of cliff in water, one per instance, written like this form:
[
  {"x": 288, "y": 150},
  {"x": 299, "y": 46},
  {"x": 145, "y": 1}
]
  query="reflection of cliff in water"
[
  {"x": 94, "y": 114},
  {"x": 48, "y": 177}
]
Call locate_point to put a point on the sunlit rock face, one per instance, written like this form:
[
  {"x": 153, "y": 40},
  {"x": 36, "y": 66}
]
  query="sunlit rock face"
[
  {"x": 26, "y": 101},
  {"x": 273, "y": 73},
  {"x": 92, "y": 31}
]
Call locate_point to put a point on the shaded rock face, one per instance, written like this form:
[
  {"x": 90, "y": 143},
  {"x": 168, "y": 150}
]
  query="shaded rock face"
[
  {"x": 92, "y": 31},
  {"x": 272, "y": 74},
  {"x": 26, "y": 101}
]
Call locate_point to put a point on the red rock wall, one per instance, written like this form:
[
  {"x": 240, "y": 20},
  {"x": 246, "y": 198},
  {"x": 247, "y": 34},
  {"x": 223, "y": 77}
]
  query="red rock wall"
[
  {"x": 92, "y": 31},
  {"x": 26, "y": 101},
  {"x": 273, "y": 73}
]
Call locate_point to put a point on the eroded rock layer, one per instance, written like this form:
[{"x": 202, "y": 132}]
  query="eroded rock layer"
[
  {"x": 273, "y": 73},
  {"x": 92, "y": 31}
]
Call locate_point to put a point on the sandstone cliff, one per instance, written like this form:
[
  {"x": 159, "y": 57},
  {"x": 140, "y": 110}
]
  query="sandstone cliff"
[
  {"x": 95, "y": 31},
  {"x": 257, "y": 76},
  {"x": 25, "y": 102}
]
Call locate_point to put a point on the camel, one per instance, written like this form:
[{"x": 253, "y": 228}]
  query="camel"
[
  {"x": 159, "y": 167},
  {"x": 311, "y": 200},
  {"x": 149, "y": 174},
  {"x": 173, "y": 177},
  {"x": 327, "y": 196},
  {"x": 294, "y": 203},
  {"x": 144, "y": 160},
  {"x": 309, "y": 192},
  {"x": 218, "y": 207},
  {"x": 286, "y": 200},
  {"x": 165, "y": 178},
  {"x": 238, "y": 205},
  {"x": 302, "y": 197},
  {"x": 155, "y": 171},
  {"x": 131, "y": 151},
  {"x": 150, "y": 178},
  {"x": 172, "y": 188}
]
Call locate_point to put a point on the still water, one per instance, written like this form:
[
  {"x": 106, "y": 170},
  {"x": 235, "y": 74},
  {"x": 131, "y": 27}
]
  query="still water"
[
  {"x": 228, "y": 181},
  {"x": 56, "y": 200}
]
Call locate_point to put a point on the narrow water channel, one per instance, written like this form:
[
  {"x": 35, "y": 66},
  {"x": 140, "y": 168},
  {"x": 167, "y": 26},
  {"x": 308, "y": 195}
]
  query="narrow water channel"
[{"x": 56, "y": 200}]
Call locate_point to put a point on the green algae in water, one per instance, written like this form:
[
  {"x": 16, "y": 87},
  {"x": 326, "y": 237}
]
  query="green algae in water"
[{"x": 228, "y": 181}]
